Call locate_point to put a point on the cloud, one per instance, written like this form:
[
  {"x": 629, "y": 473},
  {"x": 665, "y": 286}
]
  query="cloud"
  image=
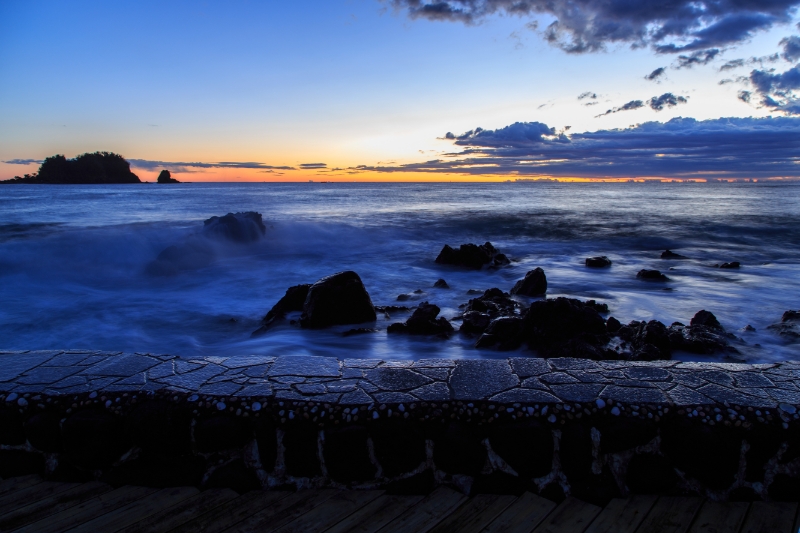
[
  {"x": 791, "y": 48},
  {"x": 732, "y": 64},
  {"x": 657, "y": 103},
  {"x": 184, "y": 166},
  {"x": 701, "y": 57},
  {"x": 585, "y": 26},
  {"x": 587, "y": 94},
  {"x": 777, "y": 90},
  {"x": 679, "y": 148},
  {"x": 630, "y": 106},
  {"x": 656, "y": 74},
  {"x": 310, "y": 166},
  {"x": 24, "y": 161}
]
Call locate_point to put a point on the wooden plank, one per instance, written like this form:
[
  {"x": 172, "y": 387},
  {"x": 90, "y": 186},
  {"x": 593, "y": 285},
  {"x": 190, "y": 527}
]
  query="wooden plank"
[
  {"x": 431, "y": 510},
  {"x": 232, "y": 512},
  {"x": 83, "y": 512},
  {"x": 770, "y": 517},
  {"x": 34, "y": 493},
  {"x": 136, "y": 510},
  {"x": 571, "y": 516},
  {"x": 331, "y": 511},
  {"x": 16, "y": 483},
  {"x": 283, "y": 511},
  {"x": 375, "y": 514},
  {"x": 522, "y": 516},
  {"x": 182, "y": 512},
  {"x": 475, "y": 514},
  {"x": 720, "y": 517},
  {"x": 52, "y": 505},
  {"x": 671, "y": 515},
  {"x": 622, "y": 515}
]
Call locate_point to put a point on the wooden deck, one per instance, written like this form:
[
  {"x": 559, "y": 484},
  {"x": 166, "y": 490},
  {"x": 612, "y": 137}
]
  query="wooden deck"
[{"x": 29, "y": 504}]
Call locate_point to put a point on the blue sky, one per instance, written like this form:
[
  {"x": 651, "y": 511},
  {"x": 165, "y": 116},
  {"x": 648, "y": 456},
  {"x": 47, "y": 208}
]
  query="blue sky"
[{"x": 371, "y": 88}]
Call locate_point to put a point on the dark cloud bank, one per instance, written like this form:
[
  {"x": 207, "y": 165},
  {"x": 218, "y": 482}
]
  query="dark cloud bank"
[
  {"x": 186, "y": 167},
  {"x": 590, "y": 25},
  {"x": 681, "y": 148}
]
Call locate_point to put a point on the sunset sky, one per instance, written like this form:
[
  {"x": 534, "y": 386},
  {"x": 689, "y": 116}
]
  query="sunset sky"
[{"x": 396, "y": 89}]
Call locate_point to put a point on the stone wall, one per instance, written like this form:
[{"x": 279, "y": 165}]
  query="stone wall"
[{"x": 595, "y": 430}]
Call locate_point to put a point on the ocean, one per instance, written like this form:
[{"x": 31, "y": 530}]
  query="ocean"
[{"x": 74, "y": 260}]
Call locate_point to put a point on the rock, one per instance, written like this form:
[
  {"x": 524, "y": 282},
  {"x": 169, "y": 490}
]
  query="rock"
[
  {"x": 613, "y": 325},
  {"x": 493, "y": 302},
  {"x": 358, "y": 331},
  {"x": 705, "y": 318},
  {"x": 468, "y": 255},
  {"x": 732, "y": 264},
  {"x": 166, "y": 177},
  {"x": 293, "y": 300},
  {"x": 503, "y": 333},
  {"x": 335, "y": 300},
  {"x": 599, "y": 307},
  {"x": 651, "y": 275},
  {"x": 423, "y": 321},
  {"x": 441, "y": 284},
  {"x": 563, "y": 327},
  {"x": 667, "y": 254},
  {"x": 703, "y": 335},
  {"x": 650, "y": 340},
  {"x": 475, "y": 322},
  {"x": 598, "y": 262},
  {"x": 194, "y": 254},
  {"x": 789, "y": 325},
  {"x": 748, "y": 328},
  {"x": 236, "y": 227},
  {"x": 410, "y": 296},
  {"x": 501, "y": 260},
  {"x": 534, "y": 284}
]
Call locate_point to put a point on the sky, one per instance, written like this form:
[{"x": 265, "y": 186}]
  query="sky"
[{"x": 403, "y": 90}]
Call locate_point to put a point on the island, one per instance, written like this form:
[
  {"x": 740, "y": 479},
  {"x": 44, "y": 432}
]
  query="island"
[
  {"x": 166, "y": 177},
  {"x": 94, "y": 168}
]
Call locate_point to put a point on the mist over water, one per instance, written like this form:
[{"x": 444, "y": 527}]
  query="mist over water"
[{"x": 74, "y": 259}]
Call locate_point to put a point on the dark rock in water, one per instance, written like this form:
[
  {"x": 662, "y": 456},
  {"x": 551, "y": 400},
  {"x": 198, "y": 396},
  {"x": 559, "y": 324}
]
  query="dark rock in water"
[
  {"x": 237, "y": 227},
  {"x": 748, "y": 327},
  {"x": 166, "y": 177},
  {"x": 599, "y": 307},
  {"x": 475, "y": 322},
  {"x": 441, "y": 284},
  {"x": 358, "y": 331},
  {"x": 613, "y": 325},
  {"x": 564, "y": 327},
  {"x": 423, "y": 321},
  {"x": 789, "y": 325},
  {"x": 705, "y": 318},
  {"x": 493, "y": 302},
  {"x": 534, "y": 284},
  {"x": 503, "y": 333},
  {"x": 195, "y": 253},
  {"x": 391, "y": 308},
  {"x": 651, "y": 275},
  {"x": 732, "y": 264},
  {"x": 335, "y": 300},
  {"x": 293, "y": 300},
  {"x": 672, "y": 255},
  {"x": 650, "y": 340},
  {"x": 468, "y": 255},
  {"x": 703, "y": 335},
  {"x": 501, "y": 260},
  {"x": 474, "y": 291},
  {"x": 598, "y": 262}
]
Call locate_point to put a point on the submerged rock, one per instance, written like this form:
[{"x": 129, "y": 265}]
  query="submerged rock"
[
  {"x": 789, "y": 326},
  {"x": 534, "y": 284},
  {"x": 503, "y": 333},
  {"x": 651, "y": 275},
  {"x": 293, "y": 300},
  {"x": 195, "y": 253},
  {"x": 441, "y": 284},
  {"x": 236, "y": 227},
  {"x": 732, "y": 264},
  {"x": 471, "y": 256},
  {"x": 423, "y": 321},
  {"x": 598, "y": 262},
  {"x": 667, "y": 254},
  {"x": 336, "y": 300}
]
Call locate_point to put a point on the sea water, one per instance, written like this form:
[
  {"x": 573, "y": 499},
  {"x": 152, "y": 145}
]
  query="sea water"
[{"x": 74, "y": 260}]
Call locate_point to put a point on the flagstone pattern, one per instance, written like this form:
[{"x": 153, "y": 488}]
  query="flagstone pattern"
[{"x": 563, "y": 426}]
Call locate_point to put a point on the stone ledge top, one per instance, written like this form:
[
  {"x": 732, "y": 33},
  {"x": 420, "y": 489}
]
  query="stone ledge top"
[{"x": 517, "y": 381}]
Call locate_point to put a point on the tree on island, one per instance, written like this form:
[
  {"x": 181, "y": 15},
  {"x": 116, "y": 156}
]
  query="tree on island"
[
  {"x": 94, "y": 168},
  {"x": 166, "y": 177}
]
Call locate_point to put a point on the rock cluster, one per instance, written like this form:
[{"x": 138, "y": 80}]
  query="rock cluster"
[
  {"x": 471, "y": 256},
  {"x": 789, "y": 326},
  {"x": 423, "y": 321}
]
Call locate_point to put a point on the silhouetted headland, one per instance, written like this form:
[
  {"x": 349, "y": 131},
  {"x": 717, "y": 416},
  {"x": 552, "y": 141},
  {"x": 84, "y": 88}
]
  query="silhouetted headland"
[
  {"x": 95, "y": 168},
  {"x": 166, "y": 177}
]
